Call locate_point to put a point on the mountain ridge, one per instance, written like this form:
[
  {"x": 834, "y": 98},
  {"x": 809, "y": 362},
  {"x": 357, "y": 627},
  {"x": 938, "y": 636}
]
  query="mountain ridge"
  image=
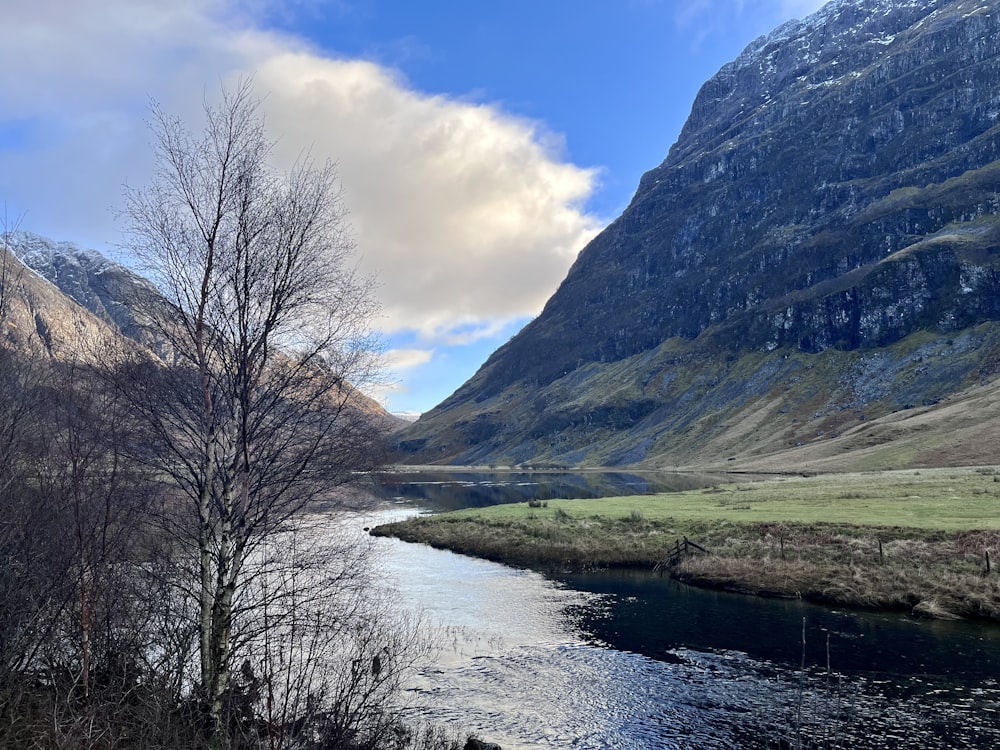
[
  {"x": 833, "y": 193},
  {"x": 65, "y": 300}
]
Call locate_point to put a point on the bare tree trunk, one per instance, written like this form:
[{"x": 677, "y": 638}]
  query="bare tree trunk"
[
  {"x": 267, "y": 323},
  {"x": 206, "y": 598}
]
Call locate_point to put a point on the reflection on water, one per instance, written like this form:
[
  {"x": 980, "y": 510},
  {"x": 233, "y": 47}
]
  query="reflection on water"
[
  {"x": 630, "y": 660},
  {"x": 771, "y": 629},
  {"x": 444, "y": 490},
  {"x": 584, "y": 696}
]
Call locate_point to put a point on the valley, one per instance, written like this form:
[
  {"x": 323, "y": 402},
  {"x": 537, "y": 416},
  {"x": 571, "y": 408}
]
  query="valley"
[{"x": 734, "y": 482}]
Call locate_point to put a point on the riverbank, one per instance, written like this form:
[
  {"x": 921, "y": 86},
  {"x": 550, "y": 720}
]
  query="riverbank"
[{"x": 925, "y": 541}]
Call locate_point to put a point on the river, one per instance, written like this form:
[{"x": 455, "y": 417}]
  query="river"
[{"x": 632, "y": 660}]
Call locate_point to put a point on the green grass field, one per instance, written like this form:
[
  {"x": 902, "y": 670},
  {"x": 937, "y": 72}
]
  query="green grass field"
[
  {"x": 942, "y": 499},
  {"x": 918, "y": 540}
]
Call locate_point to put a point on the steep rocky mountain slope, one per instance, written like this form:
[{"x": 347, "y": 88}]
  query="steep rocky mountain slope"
[
  {"x": 63, "y": 300},
  {"x": 112, "y": 292},
  {"x": 820, "y": 249},
  {"x": 39, "y": 319}
]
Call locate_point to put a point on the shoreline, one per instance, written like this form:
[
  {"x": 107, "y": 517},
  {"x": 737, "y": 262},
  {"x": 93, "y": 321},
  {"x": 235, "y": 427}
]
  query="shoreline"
[
  {"x": 931, "y": 587},
  {"x": 820, "y": 539}
]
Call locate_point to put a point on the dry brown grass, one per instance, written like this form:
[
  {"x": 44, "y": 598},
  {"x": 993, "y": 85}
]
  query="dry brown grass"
[
  {"x": 940, "y": 575},
  {"x": 931, "y": 573}
]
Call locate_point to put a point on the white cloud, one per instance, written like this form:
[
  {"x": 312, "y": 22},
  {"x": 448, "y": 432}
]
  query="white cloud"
[
  {"x": 468, "y": 215},
  {"x": 397, "y": 363},
  {"x": 464, "y": 211},
  {"x": 405, "y": 359}
]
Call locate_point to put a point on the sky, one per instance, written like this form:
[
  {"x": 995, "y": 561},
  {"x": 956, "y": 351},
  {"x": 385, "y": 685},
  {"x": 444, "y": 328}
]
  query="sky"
[{"x": 480, "y": 144}]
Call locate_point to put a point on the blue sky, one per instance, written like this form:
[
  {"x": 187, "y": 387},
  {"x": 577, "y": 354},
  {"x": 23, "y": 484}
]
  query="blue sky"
[{"x": 481, "y": 144}]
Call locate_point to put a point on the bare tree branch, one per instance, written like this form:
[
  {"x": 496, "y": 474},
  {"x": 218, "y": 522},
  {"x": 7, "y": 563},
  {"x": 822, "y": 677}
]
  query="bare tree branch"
[{"x": 268, "y": 323}]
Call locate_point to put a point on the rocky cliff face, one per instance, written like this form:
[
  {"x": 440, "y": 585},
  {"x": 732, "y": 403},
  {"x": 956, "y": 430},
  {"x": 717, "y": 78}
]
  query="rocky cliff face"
[
  {"x": 832, "y": 202},
  {"x": 110, "y": 291},
  {"x": 65, "y": 302},
  {"x": 36, "y": 318}
]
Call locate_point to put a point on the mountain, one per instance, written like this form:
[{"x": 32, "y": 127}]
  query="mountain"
[
  {"x": 86, "y": 276},
  {"x": 819, "y": 249},
  {"x": 66, "y": 298},
  {"x": 38, "y": 319},
  {"x": 110, "y": 291}
]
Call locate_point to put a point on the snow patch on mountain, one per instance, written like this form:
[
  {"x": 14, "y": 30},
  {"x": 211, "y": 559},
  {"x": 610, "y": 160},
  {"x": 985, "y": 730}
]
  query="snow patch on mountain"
[{"x": 49, "y": 257}]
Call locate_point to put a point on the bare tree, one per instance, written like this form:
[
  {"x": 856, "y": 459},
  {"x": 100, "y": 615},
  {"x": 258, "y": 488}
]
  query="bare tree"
[
  {"x": 268, "y": 326},
  {"x": 29, "y": 595},
  {"x": 17, "y": 380},
  {"x": 10, "y": 267},
  {"x": 90, "y": 639},
  {"x": 322, "y": 650}
]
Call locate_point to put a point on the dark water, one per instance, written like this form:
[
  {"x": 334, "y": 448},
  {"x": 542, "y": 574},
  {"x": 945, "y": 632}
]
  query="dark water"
[
  {"x": 632, "y": 660},
  {"x": 443, "y": 490}
]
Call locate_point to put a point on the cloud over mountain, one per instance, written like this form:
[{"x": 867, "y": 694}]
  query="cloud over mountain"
[{"x": 444, "y": 194}]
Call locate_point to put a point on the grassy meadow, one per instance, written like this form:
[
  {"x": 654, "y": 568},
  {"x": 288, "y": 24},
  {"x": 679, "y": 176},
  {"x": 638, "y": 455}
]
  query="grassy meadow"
[{"x": 918, "y": 540}]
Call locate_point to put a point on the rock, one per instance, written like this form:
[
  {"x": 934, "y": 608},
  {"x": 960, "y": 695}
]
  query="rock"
[
  {"x": 832, "y": 195},
  {"x": 476, "y": 744}
]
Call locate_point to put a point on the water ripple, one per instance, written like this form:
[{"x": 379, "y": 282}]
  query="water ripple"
[{"x": 582, "y": 696}]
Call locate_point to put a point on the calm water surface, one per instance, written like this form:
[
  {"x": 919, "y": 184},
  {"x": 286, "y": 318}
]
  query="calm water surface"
[
  {"x": 632, "y": 660},
  {"x": 444, "y": 490}
]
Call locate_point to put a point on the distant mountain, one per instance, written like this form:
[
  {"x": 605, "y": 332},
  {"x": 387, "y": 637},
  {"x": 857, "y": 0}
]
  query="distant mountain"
[
  {"x": 819, "y": 249},
  {"x": 407, "y": 416},
  {"x": 112, "y": 292},
  {"x": 38, "y": 319},
  {"x": 64, "y": 299},
  {"x": 84, "y": 275}
]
